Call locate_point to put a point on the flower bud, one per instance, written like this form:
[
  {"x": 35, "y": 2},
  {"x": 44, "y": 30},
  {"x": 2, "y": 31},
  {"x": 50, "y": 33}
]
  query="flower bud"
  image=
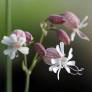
[
  {"x": 29, "y": 37},
  {"x": 50, "y": 53},
  {"x": 71, "y": 20},
  {"x": 39, "y": 48},
  {"x": 63, "y": 36},
  {"x": 56, "y": 19}
]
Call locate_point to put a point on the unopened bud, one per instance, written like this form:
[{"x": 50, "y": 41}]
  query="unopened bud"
[
  {"x": 29, "y": 37},
  {"x": 56, "y": 19},
  {"x": 39, "y": 48},
  {"x": 63, "y": 36}
]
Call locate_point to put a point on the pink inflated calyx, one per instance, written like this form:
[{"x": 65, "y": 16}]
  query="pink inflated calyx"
[
  {"x": 63, "y": 36},
  {"x": 19, "y": 33},
  {"x": 50, "y": 53},
  {"x": 29, "y": 37},
  {"x": 39, "y": 48},
  {"x": 71, "y": 20},
  {"x": 56, "y": 19}
]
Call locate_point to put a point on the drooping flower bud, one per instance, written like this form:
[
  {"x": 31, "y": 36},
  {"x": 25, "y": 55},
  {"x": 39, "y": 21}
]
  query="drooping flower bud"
[
  {"x": 56, "y": 19},
  {"x": 71, "y": 20},
  {"x": 39, "y": 48},
  {"x": 63, "y": 36},
  {"x": 50, "y": 53},
  {"x": 29, "y": 37}
]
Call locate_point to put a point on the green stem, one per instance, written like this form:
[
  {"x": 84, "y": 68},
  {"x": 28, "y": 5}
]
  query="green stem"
[
  {"x": 8, "y": 16},
  {"x": 25, "y": 60},
  {"x": 34, "y": 62},
  {"x": 27, "y": 82},
  {"x": 9, "y": 76},
  {"x": 42, "y": 38},
  {"x": 8, "y": 29}
]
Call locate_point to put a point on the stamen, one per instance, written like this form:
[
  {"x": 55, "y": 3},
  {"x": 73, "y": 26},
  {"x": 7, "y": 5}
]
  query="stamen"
[{"x": 77, "y": 70}]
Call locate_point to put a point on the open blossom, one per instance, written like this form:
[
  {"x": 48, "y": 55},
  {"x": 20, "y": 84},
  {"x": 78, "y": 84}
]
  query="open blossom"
[
  {"x": 15, "y": 42},
  {"x": 64, "y": 62},
  {"x": 57, "y": 60},
  {"x": 73, "y": 22}
]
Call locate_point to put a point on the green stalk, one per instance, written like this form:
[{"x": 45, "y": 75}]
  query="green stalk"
[
  {"x": 8, "y": 29},
  {"x": 29, "y": 71},
  {"x": 8, "y": 16},
  {"x": 9, "y": 75},
  {"x": 34, "y": 62},
  {"x": 27, "y": 82}
]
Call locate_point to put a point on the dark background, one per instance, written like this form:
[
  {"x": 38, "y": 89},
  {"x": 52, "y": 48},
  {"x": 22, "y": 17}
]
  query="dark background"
[{"x": 27, "y": 15}]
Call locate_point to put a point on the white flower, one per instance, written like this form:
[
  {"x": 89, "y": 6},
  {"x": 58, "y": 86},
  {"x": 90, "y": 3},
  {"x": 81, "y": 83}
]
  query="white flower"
[
  {"x": 81, "y": 25},
  {"x": 64, "y": 62},
  {"x": 15, "y": 43}
]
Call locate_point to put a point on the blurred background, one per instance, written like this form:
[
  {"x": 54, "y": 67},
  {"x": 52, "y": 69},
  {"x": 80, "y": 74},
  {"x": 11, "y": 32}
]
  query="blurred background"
[{"x": 27, "y": 15}]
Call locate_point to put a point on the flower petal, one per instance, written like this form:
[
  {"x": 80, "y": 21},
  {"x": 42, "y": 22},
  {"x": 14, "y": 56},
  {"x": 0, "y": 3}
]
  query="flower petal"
[
  {"x": 82, "y": 35},
  {"x": 7, "y": 40},
  {"x": 56, "y": 61},
  {"x": 55, "y": 69},
  {"x": 73, "y": 35},
  {"x": 24, "y": 50},
  {"x": 62, "y": 47},
  {"x": 67, "y": 69},
  {"x": 83, "y": 24},
  {"x": 71, "y": 63},
  {"x": 53, "y": 61},
  {"x": 70, "y": 55},
  {"x": 59, "y": 51},
  {"x": 51, "y": 68},
  {"x": 13, "y": 37},
  {"x": 21, "y": 41},
  {"x": 10, "y": 52}
]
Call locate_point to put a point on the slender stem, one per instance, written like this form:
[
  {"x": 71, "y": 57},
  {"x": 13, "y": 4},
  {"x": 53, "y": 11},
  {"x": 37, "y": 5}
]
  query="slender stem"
[
  {"x": 42, "y": 38},
  {"x": 8, "y": 16},
  {"x": 34, "y": 62},
  {"x": 9, "y": 76},
  {"x": 25, "y": 60},
  {"x": 27, "y": 82},
  {"x": 8, "y": 29}
]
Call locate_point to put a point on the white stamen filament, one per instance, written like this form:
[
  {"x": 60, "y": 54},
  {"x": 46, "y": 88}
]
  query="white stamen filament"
[{"x": 77, "y": 70}]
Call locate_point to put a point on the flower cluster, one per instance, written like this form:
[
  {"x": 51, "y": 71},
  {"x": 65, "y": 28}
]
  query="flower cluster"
[
  {"x": 71, "y": 22},
  {"x": 56, "y": 58},
  {"x": 17, "y": 41}
]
